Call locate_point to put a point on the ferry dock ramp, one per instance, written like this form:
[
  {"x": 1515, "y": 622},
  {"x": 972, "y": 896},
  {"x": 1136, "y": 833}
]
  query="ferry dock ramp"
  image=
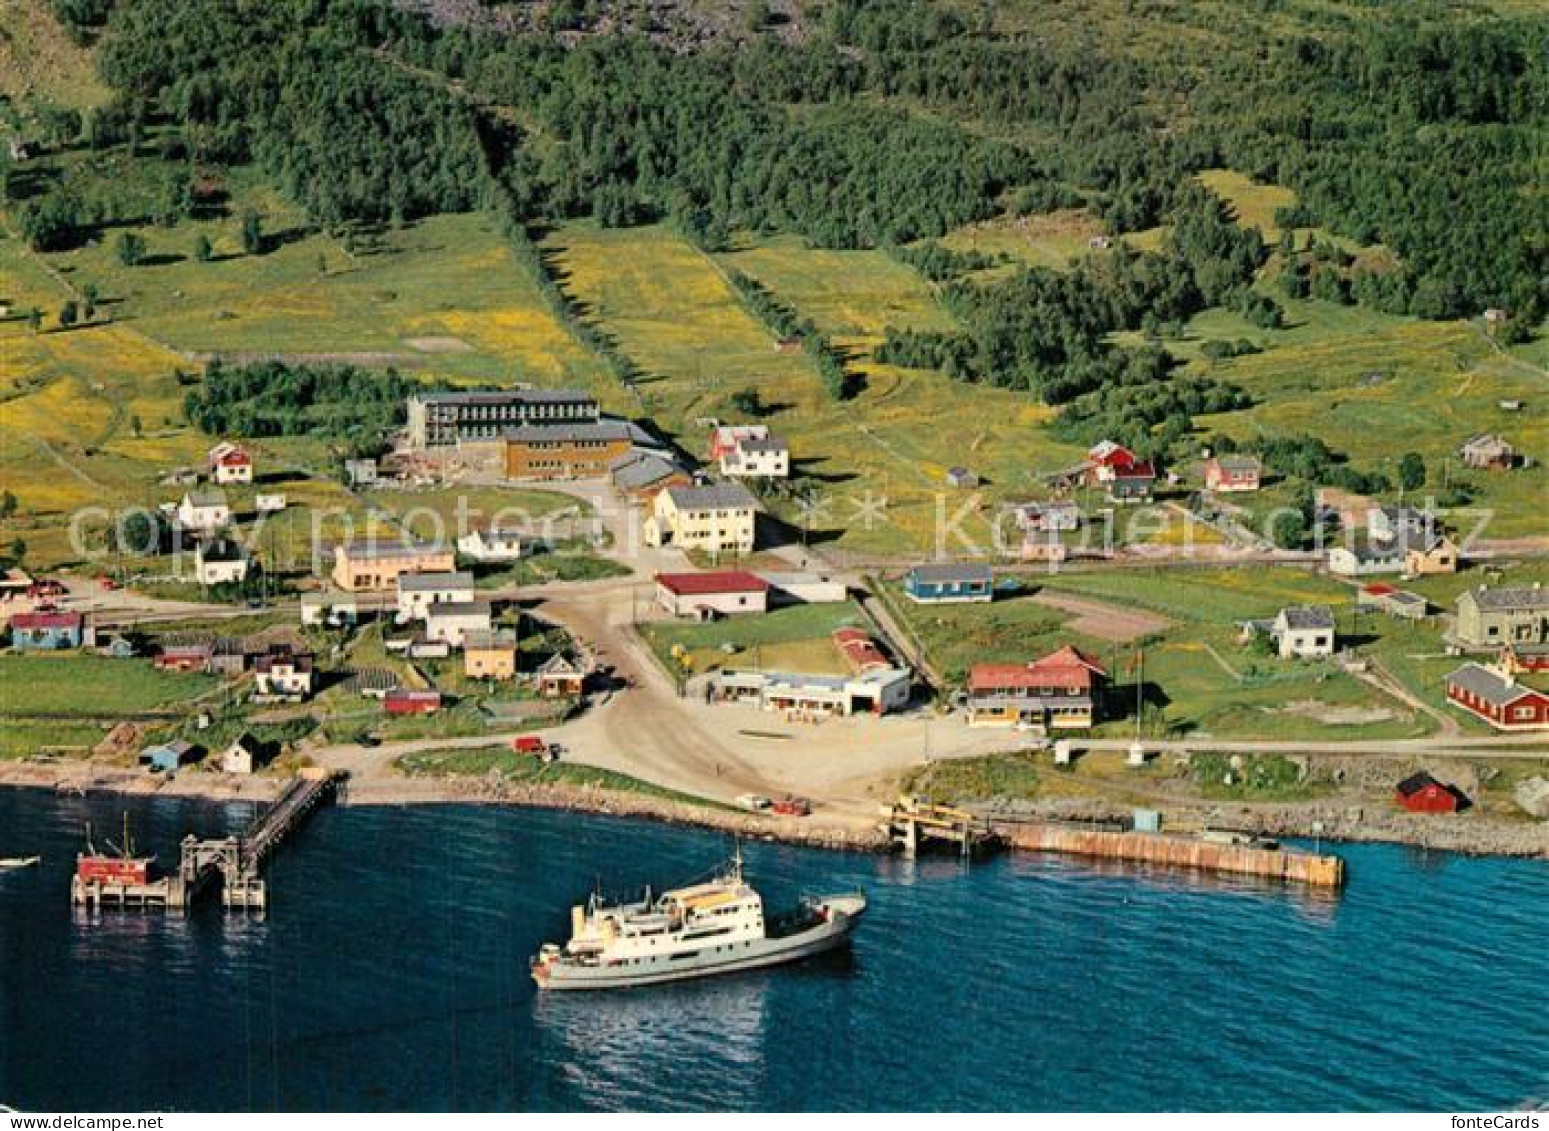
[
  {"x": 915, "y": 826},
  {"x": 236, "y": 861}
]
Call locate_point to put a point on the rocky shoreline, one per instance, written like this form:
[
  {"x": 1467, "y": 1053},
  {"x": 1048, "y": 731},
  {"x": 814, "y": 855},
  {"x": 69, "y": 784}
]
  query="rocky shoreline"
[{"x": 1472, "y": 834}]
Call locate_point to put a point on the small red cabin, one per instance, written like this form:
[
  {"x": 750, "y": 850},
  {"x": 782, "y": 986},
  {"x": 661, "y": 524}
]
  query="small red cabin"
[
  {"x": 1421, "y": 793},
  {"x": 412, "y": 702}
]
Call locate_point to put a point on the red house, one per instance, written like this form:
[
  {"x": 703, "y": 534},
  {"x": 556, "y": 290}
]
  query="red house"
[
  {"x": 402, "y": 702},
  {"x": 860, "y": 650},
  {"x": 1498, "y": 699},
  {"x": 1421, "y": 793}
]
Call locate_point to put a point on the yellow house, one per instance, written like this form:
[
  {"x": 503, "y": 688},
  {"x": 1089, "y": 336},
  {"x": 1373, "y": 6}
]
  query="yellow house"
[
  {"x": 489, "y": 655},
  {"x": 718, "y": 518}
]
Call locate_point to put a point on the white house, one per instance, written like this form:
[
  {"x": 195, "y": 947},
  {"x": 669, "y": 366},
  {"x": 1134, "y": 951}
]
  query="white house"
[
  {"x": 230, "y": 463},
  {"x": 1304, "y": 630},
  {"x": 243, "y": 756},
  {"x": 283, "y": 675},
  {"x": 330, "y": 607},
  {"x": 493, "y": 544},
  {"x": 269, "y": 504},
  {"x": 220, "y": 561},
  {"x": 749, "y": 451},
  {"x": 361, "y": 472},
  {"x": 451, "y": 621},
  {"x": 203, "y": 511},
  {"x": 714, "y": 593},
  {"x": 418, "y": 591}
]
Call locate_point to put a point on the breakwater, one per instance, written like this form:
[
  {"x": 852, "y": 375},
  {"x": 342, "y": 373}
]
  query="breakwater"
[{"x": 1270, "y": 863}]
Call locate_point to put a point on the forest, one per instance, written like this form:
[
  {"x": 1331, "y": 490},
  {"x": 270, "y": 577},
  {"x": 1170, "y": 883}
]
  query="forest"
[
  {"x": 274, "y": 398},
  {"x": 886, "y": 123}
]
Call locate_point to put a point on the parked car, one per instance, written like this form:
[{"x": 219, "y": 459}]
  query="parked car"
[
  {"x": 792, "y": 806},
  {"x": 753, "y": 802},
  {"x": 528, "y": 744}
]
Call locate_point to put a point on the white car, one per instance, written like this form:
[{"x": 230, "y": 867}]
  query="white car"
[{"x": 753, "y": 802}]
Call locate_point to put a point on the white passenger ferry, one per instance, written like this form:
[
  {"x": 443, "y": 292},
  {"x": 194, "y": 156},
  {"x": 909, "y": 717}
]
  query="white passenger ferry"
[{"x": 715, "y": 927}]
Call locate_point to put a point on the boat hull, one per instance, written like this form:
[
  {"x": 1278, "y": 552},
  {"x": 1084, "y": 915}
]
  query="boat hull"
[{"x": 843, "y": 915}]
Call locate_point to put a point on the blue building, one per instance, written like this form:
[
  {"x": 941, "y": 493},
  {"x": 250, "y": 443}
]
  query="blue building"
[
  {"x": 48, "y": 631},
  {"x": 166, "y": 757},
  {"x": 940, "y": 584}
]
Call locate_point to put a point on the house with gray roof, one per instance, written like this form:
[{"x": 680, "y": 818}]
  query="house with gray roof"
[
  {"x": 1306, "y": 631},
  {"x": 950, "y": 583}
]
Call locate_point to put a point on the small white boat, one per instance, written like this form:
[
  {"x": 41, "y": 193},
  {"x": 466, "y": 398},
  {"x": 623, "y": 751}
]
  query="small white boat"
[{"x": 19, "y": 861}]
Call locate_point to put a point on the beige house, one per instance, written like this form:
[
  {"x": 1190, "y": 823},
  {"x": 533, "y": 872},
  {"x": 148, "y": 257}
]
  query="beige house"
[
  {"x": 1436, "y": 554},
  {"x": 375, "y": 566},
  {"x": 718, "y": 518}
]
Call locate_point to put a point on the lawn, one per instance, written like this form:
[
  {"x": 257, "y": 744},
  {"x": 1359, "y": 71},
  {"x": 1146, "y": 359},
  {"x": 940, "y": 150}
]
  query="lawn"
[
  {"x": 88, "y": 686},
  {"x": 797, "y": 638}
]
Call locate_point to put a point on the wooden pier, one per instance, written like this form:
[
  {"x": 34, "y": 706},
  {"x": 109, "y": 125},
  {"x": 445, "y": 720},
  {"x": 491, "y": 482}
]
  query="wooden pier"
[
  {"x": 235, "y": 861},
  {"x": 916, "y": 826},
  {"x": 1234, "y": 855}
]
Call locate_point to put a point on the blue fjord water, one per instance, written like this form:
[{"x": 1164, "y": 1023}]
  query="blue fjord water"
[{"x": 391, "y": 974}]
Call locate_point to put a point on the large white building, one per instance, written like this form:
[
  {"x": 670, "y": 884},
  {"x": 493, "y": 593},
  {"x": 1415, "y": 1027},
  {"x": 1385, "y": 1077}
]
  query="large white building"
[
  {"x": 718, "y": 518},
  {"x": 876, "y": 691}
]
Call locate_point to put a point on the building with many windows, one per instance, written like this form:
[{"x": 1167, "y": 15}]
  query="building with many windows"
[{"x": 442, "y": 419}]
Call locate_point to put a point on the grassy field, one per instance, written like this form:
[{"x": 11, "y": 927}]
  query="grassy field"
[
  {"x": 798, "y": 638},
  {"x": 87, "y": 686}
]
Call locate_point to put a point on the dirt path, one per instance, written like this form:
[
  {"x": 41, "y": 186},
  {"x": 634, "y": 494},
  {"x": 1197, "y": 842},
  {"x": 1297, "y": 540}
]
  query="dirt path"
[{"x": 1099, "y": 619}]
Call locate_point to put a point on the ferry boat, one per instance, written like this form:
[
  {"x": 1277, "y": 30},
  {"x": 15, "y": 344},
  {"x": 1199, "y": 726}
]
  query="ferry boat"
[{"x": 714, "y": 927}]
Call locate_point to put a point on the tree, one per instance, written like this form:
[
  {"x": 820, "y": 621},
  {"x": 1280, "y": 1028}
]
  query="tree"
[
  {"x": 135, "y": 426},
  {"x": 69, "y": 314},
  {"x": 8, "y": 504},
  {"x": 18, "y": 550},
  {"x": 130, "y": 248},
  {"x": 34, "y": 320},
  {"x": 748, "y": 402},
  {"x": 202, "y": 248},
  {"x": 252, "y": 232},
  {"x": 1411, "y": 471}
]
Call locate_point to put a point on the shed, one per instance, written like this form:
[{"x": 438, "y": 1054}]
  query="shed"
[
  {"x": 166, "y": 757},
  {"x": 961, "y": 477},
  {"x": 403, "y": 702},
  {"x": 1421, "y": 793}
]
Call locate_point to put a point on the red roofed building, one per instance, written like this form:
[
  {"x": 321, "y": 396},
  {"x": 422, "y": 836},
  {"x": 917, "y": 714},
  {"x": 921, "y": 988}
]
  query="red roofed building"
[
  {"x": 711, "y": 594},
  {"x": 230, "y": 463},
  {"x": 47, "y": 631},
  {"x": 1062, "y": 691},
  {"x": 404, "y": 702},
  {"x": 860, "y": 650},
  {"x": 1126, "y": 476}
]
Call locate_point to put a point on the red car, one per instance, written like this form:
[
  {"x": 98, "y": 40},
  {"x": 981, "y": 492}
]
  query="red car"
[
  {"x": 528, "y": 744},
  {"x": 791, "y": 806}
]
